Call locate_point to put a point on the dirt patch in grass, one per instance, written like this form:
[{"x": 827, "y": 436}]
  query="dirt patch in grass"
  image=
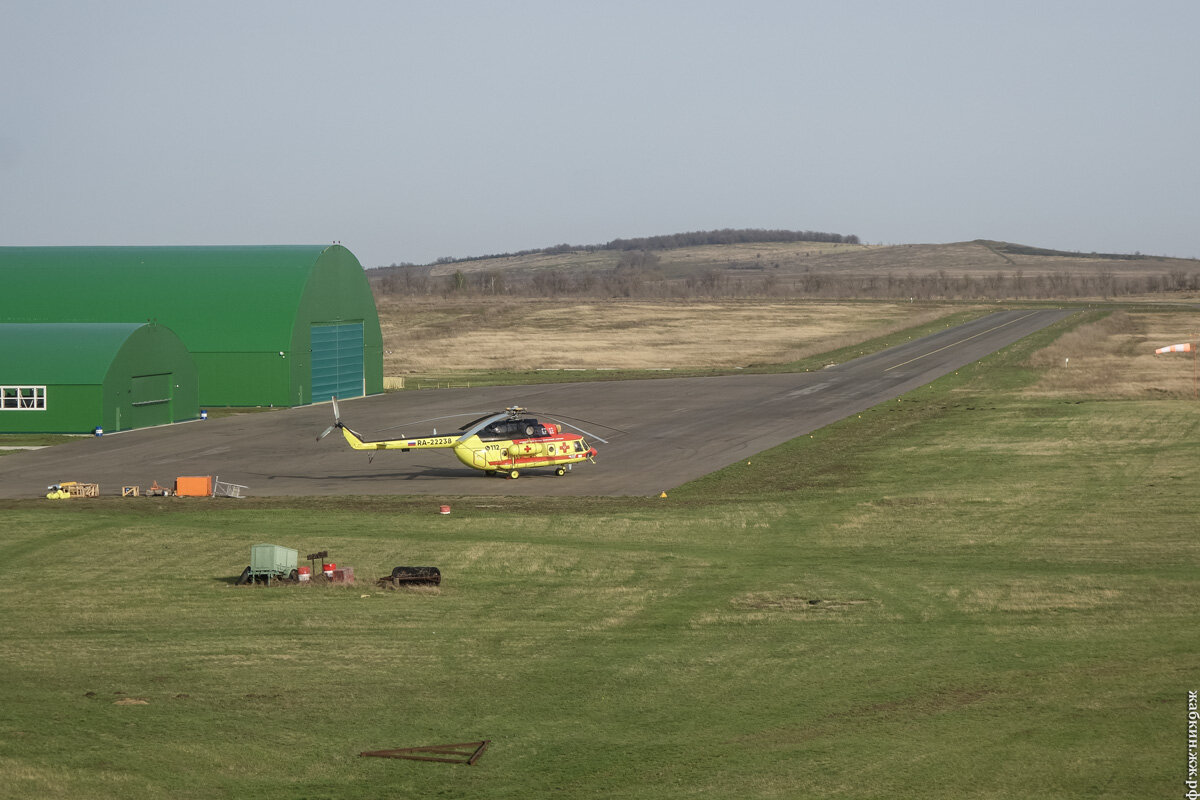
[
  {"x": 773, "y": 601},
  {"x": 768, "y": 607}
]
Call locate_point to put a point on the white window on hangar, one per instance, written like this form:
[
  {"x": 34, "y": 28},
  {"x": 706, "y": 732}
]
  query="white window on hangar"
[{"x": 22, "y": 398}]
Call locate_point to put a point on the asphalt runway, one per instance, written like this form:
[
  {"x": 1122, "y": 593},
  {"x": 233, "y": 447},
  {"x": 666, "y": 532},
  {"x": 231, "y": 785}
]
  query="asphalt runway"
[{"x": 676, "y": 429}]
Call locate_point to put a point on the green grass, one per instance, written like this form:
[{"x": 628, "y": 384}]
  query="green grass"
[
  {"x": 965, "y": 594},
  {"x": 12, "y": 442}
]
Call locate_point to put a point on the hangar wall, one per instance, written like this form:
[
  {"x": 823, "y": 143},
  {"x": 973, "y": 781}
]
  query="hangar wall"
[
  {"x": 74, "y": 377},
  {"x": 246, "y": 314}
]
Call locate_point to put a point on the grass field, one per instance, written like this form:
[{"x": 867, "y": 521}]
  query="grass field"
[
  {"x": 985, "y": 590},
  {"x": 460, "y": 341}
]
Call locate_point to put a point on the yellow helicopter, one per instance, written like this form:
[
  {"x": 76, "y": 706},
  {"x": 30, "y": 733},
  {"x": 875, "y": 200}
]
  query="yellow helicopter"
[{"x": 505, "y": 442}]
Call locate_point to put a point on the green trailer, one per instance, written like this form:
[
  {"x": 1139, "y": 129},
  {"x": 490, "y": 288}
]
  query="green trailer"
[{"x": 269, "y": 561}]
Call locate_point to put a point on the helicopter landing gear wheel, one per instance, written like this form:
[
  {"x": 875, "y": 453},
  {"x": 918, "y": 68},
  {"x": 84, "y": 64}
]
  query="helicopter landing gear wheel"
[
  {"x": 560, "y": 471},
  {"x": 514, "y": 474}
]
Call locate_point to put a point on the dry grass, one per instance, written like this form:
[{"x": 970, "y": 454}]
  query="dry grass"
[
  {"x": 1114, "y": 358},
  {"x": 431, "y": 335},
  {"x": 1037, "y": 596}
]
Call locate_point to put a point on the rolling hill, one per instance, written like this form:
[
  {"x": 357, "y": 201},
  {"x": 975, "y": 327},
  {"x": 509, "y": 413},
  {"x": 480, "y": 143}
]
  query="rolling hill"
[{"x": 980, "y": 269}]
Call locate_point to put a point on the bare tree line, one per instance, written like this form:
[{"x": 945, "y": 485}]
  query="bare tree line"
[
  {"x": 727, "y": 236},
  {"x": 637, "y": 275}
]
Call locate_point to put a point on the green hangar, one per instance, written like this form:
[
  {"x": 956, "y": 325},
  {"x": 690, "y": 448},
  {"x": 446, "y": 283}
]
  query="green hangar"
[
  {"x": 266, "y": 326},
  {"x": 76, "y": 377}
]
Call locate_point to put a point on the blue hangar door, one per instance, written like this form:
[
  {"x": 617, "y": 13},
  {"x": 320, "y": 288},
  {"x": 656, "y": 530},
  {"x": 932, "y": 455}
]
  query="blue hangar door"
[{"x": 337, "y": 360}]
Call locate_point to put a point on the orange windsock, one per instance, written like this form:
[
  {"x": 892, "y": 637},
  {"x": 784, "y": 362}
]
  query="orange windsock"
[{"x": 1186, "y": 347}]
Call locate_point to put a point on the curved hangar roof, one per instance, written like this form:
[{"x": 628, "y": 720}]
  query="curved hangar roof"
[
  {"x": 74, "y": 377},
  {"x": 269, "y": 325}
]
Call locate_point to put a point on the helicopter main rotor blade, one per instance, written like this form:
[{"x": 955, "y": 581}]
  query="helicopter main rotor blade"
[
  {"x": 576, "y": 427},
  {"x": 578, "y": 419},
  {"x": 475, "y": 427},
  {"x": 581, "y": 430},
  {"x": 431, "y": 419}
]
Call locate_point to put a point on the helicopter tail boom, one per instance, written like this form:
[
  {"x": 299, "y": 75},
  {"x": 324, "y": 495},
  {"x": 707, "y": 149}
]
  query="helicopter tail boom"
[
  {"x": 418, "y": 443},
  {"x": 356, "y": 440}
]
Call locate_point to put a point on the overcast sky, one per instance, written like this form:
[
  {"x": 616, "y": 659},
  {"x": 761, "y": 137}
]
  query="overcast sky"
[{"x": 414, "y": 130}]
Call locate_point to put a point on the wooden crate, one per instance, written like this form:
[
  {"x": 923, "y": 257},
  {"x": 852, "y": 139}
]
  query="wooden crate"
[
  {"x": 82, "y": 489},
  {"x": 131, "y": 491}
]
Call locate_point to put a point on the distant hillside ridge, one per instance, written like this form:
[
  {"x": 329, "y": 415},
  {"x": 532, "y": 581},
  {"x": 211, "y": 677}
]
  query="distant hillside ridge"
[
  {"x": 1026, "y": 250},
  {"x": 968, "y": 271},
  {"x": 671, "y": 241}
]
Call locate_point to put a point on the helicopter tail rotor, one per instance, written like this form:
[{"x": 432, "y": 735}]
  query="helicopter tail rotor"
[{"x": 337, "y": 421}]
